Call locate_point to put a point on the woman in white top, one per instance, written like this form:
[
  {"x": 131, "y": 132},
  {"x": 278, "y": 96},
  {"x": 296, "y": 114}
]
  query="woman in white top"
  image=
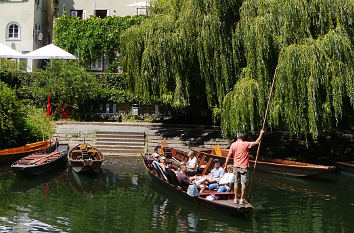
[
  {"x": 225, "y": 182},
  {"x": 192, "y": 164}
]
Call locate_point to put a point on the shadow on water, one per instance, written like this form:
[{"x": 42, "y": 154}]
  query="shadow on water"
[
  {"x": 23, "y": 182},
  {"x": 85, "y": 184}
]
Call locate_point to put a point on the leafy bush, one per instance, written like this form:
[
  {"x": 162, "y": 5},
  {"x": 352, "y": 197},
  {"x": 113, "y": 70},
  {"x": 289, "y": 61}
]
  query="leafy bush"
[
  {"x": 36, "y": 124},
  {"x": 68, "y": 85},
  {"x": 19, "y": 125},
  {"x": 10, "y": 116},
  {"x": 9, "y": 73}
]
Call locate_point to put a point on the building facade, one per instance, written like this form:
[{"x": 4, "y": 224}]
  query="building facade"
[
  {"x": 101, "y": 8},
  {"x": 83, "y": 9},
  {"x": 26, "y": 25}
]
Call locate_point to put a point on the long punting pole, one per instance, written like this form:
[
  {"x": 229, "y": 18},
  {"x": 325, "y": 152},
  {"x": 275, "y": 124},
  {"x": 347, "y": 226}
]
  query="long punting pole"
[{"x": 259, "y": 146}]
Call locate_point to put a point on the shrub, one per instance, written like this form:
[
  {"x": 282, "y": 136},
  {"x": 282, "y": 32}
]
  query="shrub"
[
  {"x": 10, "y": 116},
  {"x": 68, "y": 84},
  {"x": 36, "y": 124}
]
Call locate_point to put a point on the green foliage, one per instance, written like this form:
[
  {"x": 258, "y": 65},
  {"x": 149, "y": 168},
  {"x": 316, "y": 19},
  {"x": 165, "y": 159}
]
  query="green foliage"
[
  {"x": 19, "y": 125},
  {"x": 311, "y": 46},
  {"x": 226, "y": 52},
  {"x": 8, "y": 72},
  {"x": 93, "y": 37},
  {"x": 114, "y": 88},
  {"x": 36, "y": 125},
  {"x": 68, "y": 84},
  {"x": 10, "y": 116}
]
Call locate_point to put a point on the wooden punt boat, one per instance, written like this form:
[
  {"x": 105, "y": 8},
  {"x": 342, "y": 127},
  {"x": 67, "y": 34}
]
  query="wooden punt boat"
[
  {"x": 346, "y": 167},
  {"x": 224, "y": 204},
  {"x": 39, "y": 163},
  {"x": 12, "y": 154},
  {"x": 85, "y": 158},
  {"x": 276, "y": 166}
]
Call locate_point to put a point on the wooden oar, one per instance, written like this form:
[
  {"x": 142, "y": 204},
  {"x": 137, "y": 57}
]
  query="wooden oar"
[
  {"x": 259, "y": 145},
  {"x": 44, "y": 157}
]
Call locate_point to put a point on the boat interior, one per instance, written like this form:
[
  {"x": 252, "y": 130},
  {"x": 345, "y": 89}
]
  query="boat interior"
[
  {"x": 179, "y": 158},
  {"x": 85, "y": 152},
  {"x": 38, "y": 158}
]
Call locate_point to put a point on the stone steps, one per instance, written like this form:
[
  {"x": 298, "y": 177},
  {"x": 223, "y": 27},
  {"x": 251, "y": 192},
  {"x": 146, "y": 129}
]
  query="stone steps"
[{"x": 115, "y": 143}]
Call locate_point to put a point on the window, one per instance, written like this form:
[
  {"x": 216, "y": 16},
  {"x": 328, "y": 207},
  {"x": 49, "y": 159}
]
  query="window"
[
  {"x": 97, "y": 65},
  {"x": 101, "y": 13},
  {"x": 80, "y": 14},
  {"x": 141, "y": 11},
  {"x": 13, "y": 31}
]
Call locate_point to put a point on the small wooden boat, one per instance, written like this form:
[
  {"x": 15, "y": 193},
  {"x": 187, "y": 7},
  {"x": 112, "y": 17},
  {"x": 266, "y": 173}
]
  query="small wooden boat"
[
  {"x": 13, "y": 154},
  {"x": 39, "y": 163},
  {"x": 276, "y": 166},
  {"x": 346, "y": 167},
  {"x": 224, "y": 204},
  {"x": 85, "y": 158}
]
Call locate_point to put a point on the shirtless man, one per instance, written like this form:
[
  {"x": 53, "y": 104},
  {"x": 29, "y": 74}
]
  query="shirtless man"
[{"x": 240, "y": 150}]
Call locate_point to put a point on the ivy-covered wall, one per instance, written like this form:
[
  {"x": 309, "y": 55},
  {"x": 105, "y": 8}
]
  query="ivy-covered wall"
[{"x": 94, "y": 37}]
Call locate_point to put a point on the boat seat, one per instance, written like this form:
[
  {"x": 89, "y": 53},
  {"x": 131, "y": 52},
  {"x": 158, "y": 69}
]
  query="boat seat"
[
  {"x": 208, "y": 192},
  {"x": 167, "y": 152}
]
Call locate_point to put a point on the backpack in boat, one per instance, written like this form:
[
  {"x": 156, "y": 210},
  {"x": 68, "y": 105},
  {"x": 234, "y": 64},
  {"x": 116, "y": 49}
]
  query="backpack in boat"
[{"x": 193, "y": 190}]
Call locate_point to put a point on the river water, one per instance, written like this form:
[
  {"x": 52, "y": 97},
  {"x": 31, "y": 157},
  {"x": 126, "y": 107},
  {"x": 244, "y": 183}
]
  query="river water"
[{"x": 124, "y": 198}]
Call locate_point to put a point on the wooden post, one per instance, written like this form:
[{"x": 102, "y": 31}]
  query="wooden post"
[{"x": 259, "y": 145}]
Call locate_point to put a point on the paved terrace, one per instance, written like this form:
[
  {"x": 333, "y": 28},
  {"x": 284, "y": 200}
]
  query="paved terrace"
[{"x": 179, "y": 136}]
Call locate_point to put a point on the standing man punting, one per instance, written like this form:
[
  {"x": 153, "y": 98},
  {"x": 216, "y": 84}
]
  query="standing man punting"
[{"x": 240, "y": 150}]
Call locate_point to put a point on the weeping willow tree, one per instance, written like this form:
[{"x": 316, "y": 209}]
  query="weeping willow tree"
[
  {"x": 182, "y": 54},
  {"x": 310, "y": 44},
  {"x": 224, "y": 53}
]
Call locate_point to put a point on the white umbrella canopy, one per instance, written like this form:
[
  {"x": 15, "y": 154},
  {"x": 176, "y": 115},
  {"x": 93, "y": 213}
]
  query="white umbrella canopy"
[
  {"x": 7, "y": 52},
  {"x": 50, "y": 52},
  {"x": 139, "y": 4}
]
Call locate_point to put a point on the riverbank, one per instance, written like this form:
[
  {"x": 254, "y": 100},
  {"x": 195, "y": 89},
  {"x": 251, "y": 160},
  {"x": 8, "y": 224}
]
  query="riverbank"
[{"x": 336, "y": 146}]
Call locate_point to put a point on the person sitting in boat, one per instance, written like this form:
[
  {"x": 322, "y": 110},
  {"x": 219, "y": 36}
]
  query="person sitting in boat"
[
  {"x": 170, "y": 174},
  {"x": 192, "y": 164},
  {"x": 156, "y": 152},
  {"x": 185, "y": 181},
  {"x": 213, "y": 177},
  {"x": 225, "y": 183},
  {"x": 216, "y": 173},
  {"x": 157, "y": 166},
  {"x": 163, "y": 163}
]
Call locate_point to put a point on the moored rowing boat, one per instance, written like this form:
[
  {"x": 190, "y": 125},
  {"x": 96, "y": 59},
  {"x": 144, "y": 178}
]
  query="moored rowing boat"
[
  {"x": 39, "y": 163},
  {"x": 85, "y": 158},
  {"x": 13, "y": 154},
  {"x": 276, "y": 166}
]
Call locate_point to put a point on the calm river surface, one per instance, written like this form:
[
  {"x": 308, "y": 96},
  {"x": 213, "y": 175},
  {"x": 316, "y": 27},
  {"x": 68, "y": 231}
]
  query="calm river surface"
[{"x": 124, "y": 198}]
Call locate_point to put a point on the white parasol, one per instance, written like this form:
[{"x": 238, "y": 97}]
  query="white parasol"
[
  {"x": 7, "y": 52},
  {"x": 50, "y": 52}
]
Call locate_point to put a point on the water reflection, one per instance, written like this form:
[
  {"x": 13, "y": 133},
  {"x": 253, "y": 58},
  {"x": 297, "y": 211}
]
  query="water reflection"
[
  {"x": 123, "y": 198},
  {"x": 86, "y": 184},
  {"x": 23, "y": 182}
]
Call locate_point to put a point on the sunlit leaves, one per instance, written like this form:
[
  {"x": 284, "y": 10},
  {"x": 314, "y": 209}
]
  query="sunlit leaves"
[
  {"x": 93, "y": 37},
  {"x": 227, "y": 52}
]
